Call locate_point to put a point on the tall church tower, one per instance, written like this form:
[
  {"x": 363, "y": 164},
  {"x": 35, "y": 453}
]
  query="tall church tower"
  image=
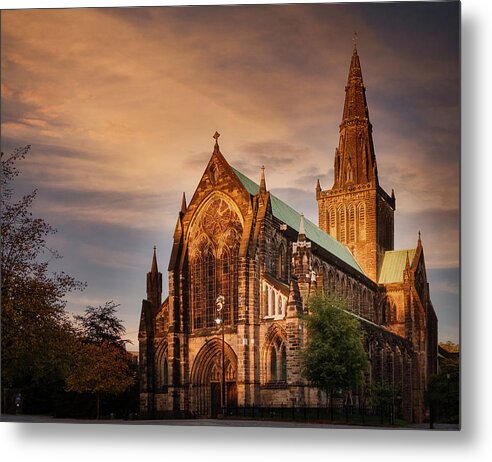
[{"x": 356, "y": 210}]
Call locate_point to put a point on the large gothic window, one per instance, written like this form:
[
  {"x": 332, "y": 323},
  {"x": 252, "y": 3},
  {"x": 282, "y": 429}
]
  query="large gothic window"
[{"x": 213, "y": 255}]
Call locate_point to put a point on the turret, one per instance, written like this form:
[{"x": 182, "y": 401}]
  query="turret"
[{"x": 154, "y": 284}]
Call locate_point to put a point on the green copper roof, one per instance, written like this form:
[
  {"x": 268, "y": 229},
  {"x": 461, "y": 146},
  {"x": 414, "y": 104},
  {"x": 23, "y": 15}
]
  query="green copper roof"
[
  {"x": 292, "y": 218},
  {"x": 393, "y": 265}
]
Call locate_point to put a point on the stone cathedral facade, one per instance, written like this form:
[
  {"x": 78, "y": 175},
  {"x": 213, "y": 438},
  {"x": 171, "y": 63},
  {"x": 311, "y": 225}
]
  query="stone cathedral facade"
[{"x": 236, "y": 239}]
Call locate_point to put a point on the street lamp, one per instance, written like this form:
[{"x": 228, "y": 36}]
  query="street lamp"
[{"x": 220, "y": 320}]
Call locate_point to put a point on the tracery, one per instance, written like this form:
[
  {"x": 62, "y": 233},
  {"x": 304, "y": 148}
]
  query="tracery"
[{"x": 214, "y": 249}]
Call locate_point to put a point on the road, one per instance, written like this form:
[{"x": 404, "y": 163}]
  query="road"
[{"x": 213, "y": 423}]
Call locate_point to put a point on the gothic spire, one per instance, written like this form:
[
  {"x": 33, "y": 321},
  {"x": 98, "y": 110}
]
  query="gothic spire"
[
  {"x": 355, "y": 159},
  {"x": 154, "y": 269},
  {"x": 355, "y": 98},
  {"x": 262, "y": 180},
  {"x": 183, "y": 203}
]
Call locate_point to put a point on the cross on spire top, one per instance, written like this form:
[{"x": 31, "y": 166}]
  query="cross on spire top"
[
  {"x": 216, "y": 138},
  {"x": 355, "y": 37}
]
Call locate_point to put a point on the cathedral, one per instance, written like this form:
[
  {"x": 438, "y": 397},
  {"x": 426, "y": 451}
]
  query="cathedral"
[{"x": 242, "y": 267}]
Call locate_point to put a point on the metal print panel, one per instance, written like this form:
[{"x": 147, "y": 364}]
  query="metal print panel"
[{"x": 278, "y": 183}]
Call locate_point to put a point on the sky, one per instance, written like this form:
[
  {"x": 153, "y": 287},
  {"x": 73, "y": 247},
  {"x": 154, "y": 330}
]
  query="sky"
[{"x": 120, "y": 106}]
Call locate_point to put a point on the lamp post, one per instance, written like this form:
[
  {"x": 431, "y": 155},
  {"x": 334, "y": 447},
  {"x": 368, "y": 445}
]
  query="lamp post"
[{"x": 220, "y": 320}]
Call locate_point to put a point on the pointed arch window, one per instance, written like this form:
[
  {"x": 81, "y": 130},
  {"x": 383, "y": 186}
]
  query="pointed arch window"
[
  {"x": 342, "y": 230},
  {"x": 165, "y": 376},
  {"x": 273, "y": 365},
  {"x": 361, "y": 212},
  {"x": 277, "y": 362},
  {"x": 281, "y": 272},
  {"x": 210, "y": 284},
  {"x": 351, "y": 224},
  {"x": 197, "y": 295},
  {"x": 333, "y": 221},
  {"x": 283, "y": 364},
  {"x": 213, "y": 263}
]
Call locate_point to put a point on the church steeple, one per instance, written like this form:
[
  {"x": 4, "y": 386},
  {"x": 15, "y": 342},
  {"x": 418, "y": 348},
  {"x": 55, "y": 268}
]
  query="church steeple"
[
  {"x": 356, "y": 210},
  {"x": 355, "y": 161}
]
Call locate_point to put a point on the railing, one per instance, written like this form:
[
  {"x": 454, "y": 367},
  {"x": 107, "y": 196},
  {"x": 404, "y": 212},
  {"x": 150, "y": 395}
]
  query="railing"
[{"x": 384, "y": 414}]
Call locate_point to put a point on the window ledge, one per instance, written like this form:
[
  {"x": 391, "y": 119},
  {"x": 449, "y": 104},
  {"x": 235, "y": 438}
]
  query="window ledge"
[{"x": 277, "y": 317}]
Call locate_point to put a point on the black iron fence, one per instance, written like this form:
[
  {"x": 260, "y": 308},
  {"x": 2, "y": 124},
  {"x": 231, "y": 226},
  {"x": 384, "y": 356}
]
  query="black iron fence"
[{"x": 384, "y": 414}]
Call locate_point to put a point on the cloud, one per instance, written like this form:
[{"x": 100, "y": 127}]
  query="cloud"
[{"x": 121, "y": 116}]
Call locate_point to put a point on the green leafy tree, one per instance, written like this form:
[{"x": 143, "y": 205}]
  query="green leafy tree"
[
  {"x": 334, "y": 357},
  {"x": 384, "y": 393},
  {"x": 36, "y": 332}
]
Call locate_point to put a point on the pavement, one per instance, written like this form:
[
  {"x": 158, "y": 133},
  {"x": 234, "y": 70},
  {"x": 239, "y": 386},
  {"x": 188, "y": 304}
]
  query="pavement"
[{"x": 215, "y": 423}]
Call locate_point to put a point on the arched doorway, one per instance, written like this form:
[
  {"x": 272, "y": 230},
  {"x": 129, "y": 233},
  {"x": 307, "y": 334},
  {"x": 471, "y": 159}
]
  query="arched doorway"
[{"x": 206, "y": 379}]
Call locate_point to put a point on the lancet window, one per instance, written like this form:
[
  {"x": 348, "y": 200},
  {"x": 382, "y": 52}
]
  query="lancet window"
[{"x": 277, "y": 362}]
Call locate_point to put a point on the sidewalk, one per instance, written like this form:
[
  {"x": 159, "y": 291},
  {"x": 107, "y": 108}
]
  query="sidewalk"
[{"x": 215, "y": 423}]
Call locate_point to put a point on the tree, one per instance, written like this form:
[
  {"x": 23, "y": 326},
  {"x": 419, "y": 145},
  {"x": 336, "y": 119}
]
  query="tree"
[
  {"x": 450, "y": 347},
  {"x": 101, "y": 364},
  {"x": 100, "y": 368},
  {"x": 100, "y": 324},
  {"x": 334, "y": 357},
  {"x": 443, "y": 392},
  {"x": 36, "y": 332}
]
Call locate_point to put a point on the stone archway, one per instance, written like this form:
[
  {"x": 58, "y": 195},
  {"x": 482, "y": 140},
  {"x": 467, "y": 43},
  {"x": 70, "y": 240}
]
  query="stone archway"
[{"x": 206, "y": 379}]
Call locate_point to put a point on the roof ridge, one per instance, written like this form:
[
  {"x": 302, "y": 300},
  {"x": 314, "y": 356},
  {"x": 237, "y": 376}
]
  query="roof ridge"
[
  {"x": 400, "y": 250},
  {"x": 340, "y": 250}
]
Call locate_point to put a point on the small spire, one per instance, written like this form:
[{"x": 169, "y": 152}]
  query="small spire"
[
  {"x": 302, "y": 230},
  {"x": 262, "y": 180},
  {"x": 392, "y": 193},
  {"x": 216, "y": 138},
  {"x": 318, "y": 186},
  {"x": 419, "y": 241},
  {"x": 355, "y": 37},
  {"x": 407, "y": 263},
  {"x": 154, "y": 269},
  {"x": 183, "y": 203}
]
